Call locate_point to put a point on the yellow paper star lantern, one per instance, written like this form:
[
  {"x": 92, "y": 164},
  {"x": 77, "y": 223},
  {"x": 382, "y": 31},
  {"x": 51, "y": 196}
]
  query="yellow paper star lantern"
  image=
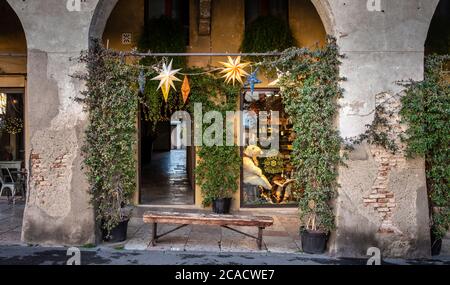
[
  {"x": 167, "y": 78},
  {"x": 234, "y": 70}
]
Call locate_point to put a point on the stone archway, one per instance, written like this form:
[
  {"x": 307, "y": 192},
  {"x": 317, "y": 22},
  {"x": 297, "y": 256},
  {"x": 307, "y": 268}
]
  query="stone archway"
[
  {"x": 100, "y": 18},
  {"x": 13, "y": 74},
  {"x": 326, "y": 15},
  {"x": 438, "y": 36}
]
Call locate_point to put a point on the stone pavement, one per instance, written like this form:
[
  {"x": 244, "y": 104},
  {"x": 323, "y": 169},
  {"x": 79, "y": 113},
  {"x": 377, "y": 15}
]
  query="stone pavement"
[
  {"x": 11, "y": 217},
  {"x": 282, "y": 237},
  {"x": 30, "y": 255}
]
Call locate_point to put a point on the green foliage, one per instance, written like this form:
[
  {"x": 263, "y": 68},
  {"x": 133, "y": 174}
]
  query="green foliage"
[
  {"x": 155, "y": 108},
  {"x": 109, "y": 154},
  {"x": 426, "y": 110},
  {"x": 267, "y": 33},
  {"x": 218, "y": 169},
  {"x": 163, "y": 34},
  {"x": 378, "y": 133},
  {"x": 310, "y": 90}
]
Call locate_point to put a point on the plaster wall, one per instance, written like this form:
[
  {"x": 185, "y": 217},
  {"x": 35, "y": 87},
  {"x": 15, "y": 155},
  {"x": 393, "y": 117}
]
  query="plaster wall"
[
  {"x": 57, "y": 209},
  {"x": 380, "y": 47}
]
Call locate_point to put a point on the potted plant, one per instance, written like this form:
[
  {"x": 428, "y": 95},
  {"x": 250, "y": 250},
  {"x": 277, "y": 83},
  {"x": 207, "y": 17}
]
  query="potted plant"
[
  {"x": 222, "y": 204},
  {"x": 116, "y": 231},
  {"x": 314, "y": 237},
  {"x": 440, "y": 227},
  {"x": 109, "y": 153},
  {"x": 218, "y": 174}
]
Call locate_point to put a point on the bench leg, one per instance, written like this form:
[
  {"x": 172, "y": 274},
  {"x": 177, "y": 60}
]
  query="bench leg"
[
  {"x": 260, "y": 238},
  {"x": 154, "y": 234}
]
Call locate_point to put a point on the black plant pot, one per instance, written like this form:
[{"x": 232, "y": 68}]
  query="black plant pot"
[
  {"x": 436, "y": 245},
  {"x": 313, "y": 242},
  {"x": 118, "y": 233},
  {"x": 221, "y": 206}
]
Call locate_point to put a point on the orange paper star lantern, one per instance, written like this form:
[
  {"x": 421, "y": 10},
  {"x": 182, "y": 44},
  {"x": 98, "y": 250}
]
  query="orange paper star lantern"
[{"x": 185, "y": 89}]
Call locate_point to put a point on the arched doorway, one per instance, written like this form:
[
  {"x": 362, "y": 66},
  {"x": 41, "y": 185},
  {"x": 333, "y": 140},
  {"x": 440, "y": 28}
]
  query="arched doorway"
[
  {"x": 13, "y": 71},
  {"x": 438, "y": 39},
  {"x": 219, "y": 28},
  {"x": 438, "y": 42}
]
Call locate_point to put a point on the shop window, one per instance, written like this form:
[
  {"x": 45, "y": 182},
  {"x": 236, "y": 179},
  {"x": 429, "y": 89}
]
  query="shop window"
[
  {"x": 257, "y": 8},
  {"x": 267, "y": 172},
  {"x": 174, "y": 9},
  {"x": 12, "y": 146}
]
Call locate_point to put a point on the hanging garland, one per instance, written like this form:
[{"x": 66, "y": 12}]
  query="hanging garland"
[
  {"x": 11, "y": 125},
  {"x": 309, "y": 86}
]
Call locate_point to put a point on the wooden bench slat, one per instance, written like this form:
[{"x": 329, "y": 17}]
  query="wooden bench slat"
[{"x": 207, "y": 219}]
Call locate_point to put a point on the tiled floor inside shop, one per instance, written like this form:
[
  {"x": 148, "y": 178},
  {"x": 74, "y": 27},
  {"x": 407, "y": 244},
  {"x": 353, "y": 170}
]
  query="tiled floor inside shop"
[{"x": 165, "y": 180}]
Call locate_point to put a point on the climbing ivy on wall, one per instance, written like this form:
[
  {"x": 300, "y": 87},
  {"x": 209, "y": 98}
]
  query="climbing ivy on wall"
[
  {"x": 218, "y": 169},
  {"x": 267, "y": 33},
  {"x": 309, "y": 87},
  {"x": 110, "y": 138},
  {"x": 426, "y": 110},
  {"x": 310, "y": 90},
  {"x": 161, "y": 35}
]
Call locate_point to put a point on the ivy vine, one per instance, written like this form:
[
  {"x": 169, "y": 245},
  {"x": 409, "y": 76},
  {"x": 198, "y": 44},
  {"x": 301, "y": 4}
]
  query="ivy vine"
[
  {"x": 426, "y": 110},
  {"x": 310, "y": 90},
  {"x": 379, "y": 132},
  {"x": 267, "y": 33},
  {"x": 218, "y": 168},
  {"x": 110, "y": 138}
]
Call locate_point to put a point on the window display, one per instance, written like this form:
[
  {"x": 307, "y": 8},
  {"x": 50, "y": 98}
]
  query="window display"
[{"x": 267, "y": 172}]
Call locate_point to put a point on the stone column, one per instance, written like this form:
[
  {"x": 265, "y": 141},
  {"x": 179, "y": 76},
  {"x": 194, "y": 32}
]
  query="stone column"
[
  {"x": 57, "y": 209},
  {"x": 382, "y": 200}
]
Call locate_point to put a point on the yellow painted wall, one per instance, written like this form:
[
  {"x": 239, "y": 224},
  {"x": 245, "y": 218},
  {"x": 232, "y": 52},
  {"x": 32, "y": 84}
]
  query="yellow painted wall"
[
  {"x": 306, "y": 24},
  {"x": 127, "y": 17},
  {"x": 227, "y": 30},
  {"x": 12, "y": 40}
]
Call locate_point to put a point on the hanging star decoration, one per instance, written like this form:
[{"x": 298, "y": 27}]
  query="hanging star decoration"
[
  {"x": 141, "y": 81},
  {"x": 185, "y": 89},
  {"x": 252, "y": 80},
  {"x": 234, "y": 70},
  {"x": 276, "y": 82},
  {"x": 167, "y": 78}
]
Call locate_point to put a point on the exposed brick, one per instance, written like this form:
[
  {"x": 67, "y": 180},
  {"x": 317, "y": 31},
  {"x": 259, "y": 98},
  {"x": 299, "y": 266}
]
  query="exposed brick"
[
  {"x": 377, "y": 196},
  {"x": 383, "y": 200},
  {"x": 383, "y": 209}
]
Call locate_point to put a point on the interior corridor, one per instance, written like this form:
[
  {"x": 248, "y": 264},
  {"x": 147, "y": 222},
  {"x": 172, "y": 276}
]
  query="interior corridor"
[{"x": 165, "y": 180}]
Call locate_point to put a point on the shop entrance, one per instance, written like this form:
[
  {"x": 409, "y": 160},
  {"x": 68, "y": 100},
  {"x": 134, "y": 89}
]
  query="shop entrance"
[{"x": 166, "y": 166}]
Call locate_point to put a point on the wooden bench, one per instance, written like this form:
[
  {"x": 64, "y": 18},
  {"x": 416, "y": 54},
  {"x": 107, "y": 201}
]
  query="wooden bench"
[{"x": 225, "y": 221}]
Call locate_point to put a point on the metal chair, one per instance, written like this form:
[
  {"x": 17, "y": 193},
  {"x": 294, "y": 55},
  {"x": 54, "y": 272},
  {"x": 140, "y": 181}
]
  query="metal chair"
[{"x": 12, "y": 185}]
